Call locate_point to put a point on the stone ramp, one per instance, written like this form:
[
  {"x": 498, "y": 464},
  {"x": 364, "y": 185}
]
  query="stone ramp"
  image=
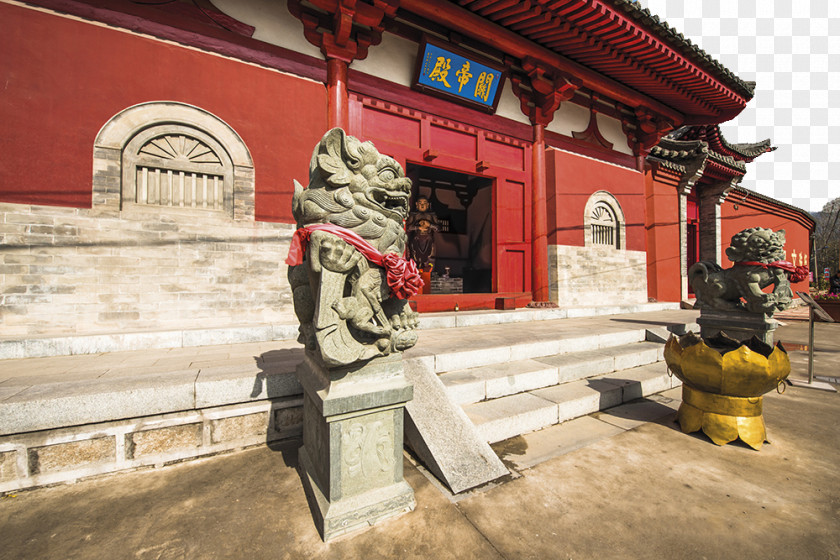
[{"x": 69, "y": 417}]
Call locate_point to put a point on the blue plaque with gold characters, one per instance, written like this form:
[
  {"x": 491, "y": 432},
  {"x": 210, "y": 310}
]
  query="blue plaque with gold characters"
[{"x": 458, "y": 75}]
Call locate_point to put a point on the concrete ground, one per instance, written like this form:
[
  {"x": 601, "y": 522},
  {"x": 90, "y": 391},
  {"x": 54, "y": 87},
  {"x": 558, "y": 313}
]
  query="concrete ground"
[{"x": 625, "y": 483}]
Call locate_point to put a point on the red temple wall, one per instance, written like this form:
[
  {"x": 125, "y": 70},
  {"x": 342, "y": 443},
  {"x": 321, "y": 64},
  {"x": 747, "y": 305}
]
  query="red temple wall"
[
  {"x": 662, "y": 235},
  {"x": 571, "y": 181},
  {"x": 752, "y": 212},
  {"x": 56, "y": 100}
]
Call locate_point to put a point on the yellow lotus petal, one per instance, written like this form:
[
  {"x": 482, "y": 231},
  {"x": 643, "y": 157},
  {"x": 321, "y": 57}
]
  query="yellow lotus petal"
[
  {"x": 746, "y": 373},
  {"x": 751, "y": 430},
  {"x": 673, "y": 355},
  {"x": 690, "y": 418},
  {"x": 702, "y": 367},
  {"x": 720, "y": 429},
  {"x": 779, "y": 364}
]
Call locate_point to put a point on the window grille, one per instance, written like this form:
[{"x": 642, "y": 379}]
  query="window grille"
[
  {"x": 172, "y": 155},
  {"x": 178, "y": 170},
  {"x": 603, "y": 224},
  {"x": 176, "y": 166}
]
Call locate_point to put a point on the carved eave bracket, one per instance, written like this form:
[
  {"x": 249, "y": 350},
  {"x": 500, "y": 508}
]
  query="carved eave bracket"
[
  {"x": 541, "y": 90},
  {"x": 649, "y": 130},
  {"x": 343, "y": 29},
  {"x": 719, "y": 191},
  {"x": 592, "y": 134}
]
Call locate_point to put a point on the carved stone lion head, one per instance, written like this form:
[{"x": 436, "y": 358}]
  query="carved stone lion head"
[
  {"x": 757, "y": 244},
  {"x": 354, "y": 186}
]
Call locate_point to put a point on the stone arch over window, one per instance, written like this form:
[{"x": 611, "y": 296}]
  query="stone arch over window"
[
  {"x": 170, "y": 154},
  {"x": 603, "y": 222}
]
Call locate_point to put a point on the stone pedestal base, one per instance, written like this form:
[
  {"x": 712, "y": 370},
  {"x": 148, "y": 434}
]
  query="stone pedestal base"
[
  {"x": 740, "y": 325},
  {"x": 722, "y": 417},
  {"x": 351, "y": 459}
]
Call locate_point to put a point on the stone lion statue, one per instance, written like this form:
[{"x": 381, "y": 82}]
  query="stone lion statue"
[
  {"x": 758, "y": 256},
  {"x": 349, "y": 279}
]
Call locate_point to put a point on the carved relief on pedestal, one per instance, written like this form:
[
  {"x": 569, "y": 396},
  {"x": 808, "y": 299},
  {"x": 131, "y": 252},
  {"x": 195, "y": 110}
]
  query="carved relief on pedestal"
[{"x": 368, "y": 450}]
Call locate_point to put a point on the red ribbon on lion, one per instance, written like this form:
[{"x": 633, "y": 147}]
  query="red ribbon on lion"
[
  {"x": 797, "y": 273},
  {"x": 401, "y": 274}
]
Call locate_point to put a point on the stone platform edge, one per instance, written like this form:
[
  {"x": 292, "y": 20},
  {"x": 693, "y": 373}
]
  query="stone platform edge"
[{"x": 68, "y": 345}]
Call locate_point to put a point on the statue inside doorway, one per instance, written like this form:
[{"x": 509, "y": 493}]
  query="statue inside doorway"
[{"x": 421, "y": 226}]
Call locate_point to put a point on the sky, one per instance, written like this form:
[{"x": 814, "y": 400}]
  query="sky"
[{"x": 784, "y": 46}]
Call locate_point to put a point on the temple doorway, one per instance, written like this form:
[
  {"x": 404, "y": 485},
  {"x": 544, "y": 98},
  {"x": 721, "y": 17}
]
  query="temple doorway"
[{"x": 461, "y": 207}]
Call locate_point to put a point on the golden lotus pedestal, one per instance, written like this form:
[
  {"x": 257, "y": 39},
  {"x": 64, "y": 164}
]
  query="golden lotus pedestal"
[{"x": 723, "y": 383}]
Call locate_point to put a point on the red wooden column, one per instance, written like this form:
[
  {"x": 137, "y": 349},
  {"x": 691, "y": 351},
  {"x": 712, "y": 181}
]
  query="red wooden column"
[
  {"x": 344, "y": 31},
  {"x": 337, "y": 96},
  {"x": 540, "y": 93},
  {"x": 539, "y": 218}
]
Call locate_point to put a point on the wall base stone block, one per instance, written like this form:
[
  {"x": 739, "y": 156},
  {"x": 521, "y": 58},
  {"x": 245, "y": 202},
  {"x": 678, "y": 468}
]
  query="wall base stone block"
[
  {"x": 596, "y": 275},
  {"x": 71, "y": 455},
  {"x": 163, "y": 440},
  {"x": 238, "y": 427},
  {"x": 8, "y": 466},
  {"x": 138, "y": 268},
  {"x": 286, "y": 418}
]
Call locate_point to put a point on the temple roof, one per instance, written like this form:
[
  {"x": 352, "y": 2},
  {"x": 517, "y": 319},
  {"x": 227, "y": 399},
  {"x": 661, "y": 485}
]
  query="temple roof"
[
  {"x": 625, "y": 42},
  {"x": 712, "y": 135},
  {"x": 689, "y": 146}
]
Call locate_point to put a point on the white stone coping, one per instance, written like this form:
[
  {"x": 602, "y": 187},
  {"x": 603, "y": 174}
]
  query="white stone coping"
[
  {"x": 67, "y": 345},
  {"x": 73, "y": 403}
]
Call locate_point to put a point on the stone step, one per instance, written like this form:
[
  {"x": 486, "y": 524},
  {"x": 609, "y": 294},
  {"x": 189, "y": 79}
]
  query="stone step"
[
  {"x": 513, "y": 415},
  {"x": 476, "y": 384},
  {"x": 495, "y": 352}
]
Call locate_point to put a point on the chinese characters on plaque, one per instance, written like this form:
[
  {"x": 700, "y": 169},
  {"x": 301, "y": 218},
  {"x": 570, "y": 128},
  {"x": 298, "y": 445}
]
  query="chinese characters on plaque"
[{"x": 450, "y": 72}]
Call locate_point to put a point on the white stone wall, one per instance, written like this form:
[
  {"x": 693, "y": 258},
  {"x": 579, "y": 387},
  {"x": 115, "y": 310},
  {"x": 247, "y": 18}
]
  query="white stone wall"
[
  {"x": 596, "y": 276},
  {"x": 67, "y": 271}
]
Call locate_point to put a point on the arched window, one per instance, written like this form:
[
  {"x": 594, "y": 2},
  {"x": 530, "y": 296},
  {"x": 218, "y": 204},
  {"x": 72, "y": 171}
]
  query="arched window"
[
  {"x": 603, "y": 221},
  {"x": 173, "y": 155}
]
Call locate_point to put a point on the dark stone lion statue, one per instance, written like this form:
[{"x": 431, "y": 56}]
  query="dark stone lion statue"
[
  {"x": 758, "y": 256},
  {"x": 349, "y": 279}
]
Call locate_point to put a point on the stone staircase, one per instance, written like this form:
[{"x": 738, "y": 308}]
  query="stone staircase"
[
  {"x": 587, "y": 374},
  {"x": 478, "y": 377}
]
